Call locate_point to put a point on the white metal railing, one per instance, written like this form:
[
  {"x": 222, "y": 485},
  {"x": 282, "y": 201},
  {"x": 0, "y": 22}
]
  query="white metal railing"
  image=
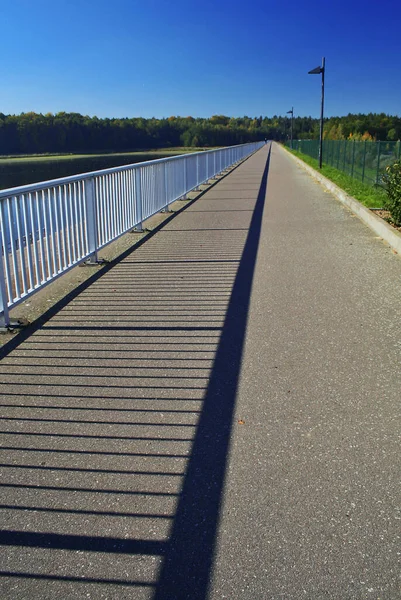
[{"x": 47, "y": 228}]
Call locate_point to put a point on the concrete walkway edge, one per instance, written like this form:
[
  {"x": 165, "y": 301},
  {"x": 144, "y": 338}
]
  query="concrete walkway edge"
[{"x": 388, "y": 233}]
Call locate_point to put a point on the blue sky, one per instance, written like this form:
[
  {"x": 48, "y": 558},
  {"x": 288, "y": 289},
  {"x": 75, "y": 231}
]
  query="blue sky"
[{"x": 125, "y": 58}]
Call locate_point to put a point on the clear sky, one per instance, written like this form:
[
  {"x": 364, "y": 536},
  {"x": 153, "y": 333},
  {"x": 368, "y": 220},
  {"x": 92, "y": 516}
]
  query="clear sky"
[{"x": 125, "y": 58}]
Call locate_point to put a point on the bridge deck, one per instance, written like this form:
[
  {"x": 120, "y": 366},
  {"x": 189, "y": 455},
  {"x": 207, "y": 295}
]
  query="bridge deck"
[{"x": 214, "y": 417}]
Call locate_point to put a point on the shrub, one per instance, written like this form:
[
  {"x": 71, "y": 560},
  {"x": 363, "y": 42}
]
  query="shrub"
[{"x": 392, "y": 180}]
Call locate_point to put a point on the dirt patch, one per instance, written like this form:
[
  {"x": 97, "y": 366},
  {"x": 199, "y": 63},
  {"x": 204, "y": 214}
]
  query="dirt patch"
[{"x": 386, "y": 216}]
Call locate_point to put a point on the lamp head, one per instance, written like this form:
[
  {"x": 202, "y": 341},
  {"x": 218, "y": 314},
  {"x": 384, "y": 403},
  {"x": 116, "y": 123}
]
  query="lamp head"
[{"x": 316, "y": 71}]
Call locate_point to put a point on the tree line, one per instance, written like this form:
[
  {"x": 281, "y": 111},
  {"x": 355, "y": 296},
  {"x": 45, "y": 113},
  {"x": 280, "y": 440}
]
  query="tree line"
[{"x": 32, "y": 133}]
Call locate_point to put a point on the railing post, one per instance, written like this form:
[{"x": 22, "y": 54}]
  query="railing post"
[
  {"x": 166, "y": 183},
  {"x": 197, "y": 172},
  {"x": 378, "y": 162},
  {"x": 91, "y": 223},
  {"x": 4, "y": 315},
  {"x": 138, "y": 199},
  {"x": 167, "y": 207},
  {"x": 185, "y": 178}
]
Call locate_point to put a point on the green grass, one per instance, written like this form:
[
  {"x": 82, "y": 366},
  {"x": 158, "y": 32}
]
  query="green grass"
[{"x": 371, "y": 197}]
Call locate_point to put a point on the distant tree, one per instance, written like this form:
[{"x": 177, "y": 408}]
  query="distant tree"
[
  {"x": 219, "y": 120},
  {"x": 186, "y": 138},
  {"x": 71, "y": 132},
  {"x": 367, "y": 137}
]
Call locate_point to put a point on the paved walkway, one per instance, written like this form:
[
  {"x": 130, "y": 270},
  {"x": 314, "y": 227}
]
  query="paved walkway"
[{"x": 215, "y": 416}]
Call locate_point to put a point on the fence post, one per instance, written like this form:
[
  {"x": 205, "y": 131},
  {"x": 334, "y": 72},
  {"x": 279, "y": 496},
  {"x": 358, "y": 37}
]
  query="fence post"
[
  {"x": 353, "y": 158},
  {"x": 138, "y": 199},
  {"x": 345, "y": 154},
  {"x": 4, "y": 315},
  {"x": 378, "y": 162},
  {"x": 91, "y": 223},
  {"x": 364, "y": 160}
]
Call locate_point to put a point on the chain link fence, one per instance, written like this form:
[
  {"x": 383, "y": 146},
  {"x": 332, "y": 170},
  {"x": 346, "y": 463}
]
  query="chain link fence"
[{"x": 365, "y": 161}]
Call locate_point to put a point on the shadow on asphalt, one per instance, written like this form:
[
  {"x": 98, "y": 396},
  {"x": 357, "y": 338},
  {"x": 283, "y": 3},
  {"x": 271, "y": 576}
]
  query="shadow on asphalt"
[
  {"x": 76, "y": 451},
  {"x": 191, "y": 547}
]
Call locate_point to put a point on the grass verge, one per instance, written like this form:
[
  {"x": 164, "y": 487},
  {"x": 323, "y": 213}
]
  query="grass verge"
[{"x": 371, "y": 197}]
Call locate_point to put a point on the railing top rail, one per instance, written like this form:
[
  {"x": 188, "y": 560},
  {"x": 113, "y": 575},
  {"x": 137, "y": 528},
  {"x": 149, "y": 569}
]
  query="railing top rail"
[
  {"x": 40, "y": 185},
  {"x": 43, "y": 239}
]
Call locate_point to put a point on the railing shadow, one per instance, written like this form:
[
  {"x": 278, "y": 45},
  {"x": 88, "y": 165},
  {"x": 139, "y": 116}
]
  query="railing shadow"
[
  {"x": 117, "y": 434},
  {"x": 190, "y": 551}
]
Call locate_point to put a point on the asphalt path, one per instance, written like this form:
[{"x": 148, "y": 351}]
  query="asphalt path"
[{"x": 215, "y": 416}]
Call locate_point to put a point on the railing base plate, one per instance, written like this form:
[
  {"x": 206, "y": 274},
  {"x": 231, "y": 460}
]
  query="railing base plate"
[
  {"x": 12, "y": 325},
  {"x": 139, "y": 230},
  {"x": 93, "y": 263}
]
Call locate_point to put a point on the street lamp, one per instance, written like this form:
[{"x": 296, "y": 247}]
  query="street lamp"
[
  {"x": 317, "y": 71},
  {"x": 292, "y": 118}
]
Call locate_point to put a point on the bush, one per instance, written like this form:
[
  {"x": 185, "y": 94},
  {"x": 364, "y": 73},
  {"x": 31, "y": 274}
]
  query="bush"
[{"x": 392, "y": 180}]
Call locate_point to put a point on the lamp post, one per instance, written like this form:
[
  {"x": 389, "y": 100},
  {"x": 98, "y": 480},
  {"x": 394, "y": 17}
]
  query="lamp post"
[
  {"x": 317, "y": 71},
  {"x": 292, "y": 118}
]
